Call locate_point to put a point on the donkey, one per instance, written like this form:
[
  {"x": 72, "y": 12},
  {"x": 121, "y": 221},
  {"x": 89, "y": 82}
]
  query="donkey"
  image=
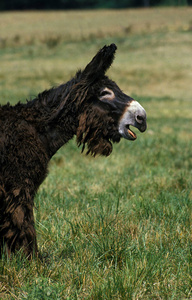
[{"x": 90, "y": 106}]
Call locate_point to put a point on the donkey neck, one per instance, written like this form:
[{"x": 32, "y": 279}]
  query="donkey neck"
[{"x": 57, "y": 117}]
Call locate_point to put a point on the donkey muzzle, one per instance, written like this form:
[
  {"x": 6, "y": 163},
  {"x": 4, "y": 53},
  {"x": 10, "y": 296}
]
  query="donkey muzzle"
[{"x": 135, "y": 116}]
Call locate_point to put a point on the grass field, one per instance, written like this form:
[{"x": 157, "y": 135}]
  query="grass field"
[{"x": 117, "y": 227}]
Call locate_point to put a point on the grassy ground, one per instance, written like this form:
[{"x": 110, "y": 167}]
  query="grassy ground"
[{"x": 117, "y": 227}]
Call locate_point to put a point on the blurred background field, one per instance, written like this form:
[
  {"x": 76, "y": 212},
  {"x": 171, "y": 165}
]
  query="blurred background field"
[
  {"x": 47, "y": 47},
  {"x": 117, "y": 227}
]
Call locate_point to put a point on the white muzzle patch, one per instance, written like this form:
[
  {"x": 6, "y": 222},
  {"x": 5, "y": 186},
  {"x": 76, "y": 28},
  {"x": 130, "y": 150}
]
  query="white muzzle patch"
[{"x": 134, "y": 115}]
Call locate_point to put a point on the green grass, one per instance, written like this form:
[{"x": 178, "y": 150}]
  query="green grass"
[{"x": 117, "y": 227}]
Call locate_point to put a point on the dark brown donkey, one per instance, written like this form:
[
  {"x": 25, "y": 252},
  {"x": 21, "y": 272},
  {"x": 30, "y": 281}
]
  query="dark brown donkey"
[{"x": 90, "y": 106}]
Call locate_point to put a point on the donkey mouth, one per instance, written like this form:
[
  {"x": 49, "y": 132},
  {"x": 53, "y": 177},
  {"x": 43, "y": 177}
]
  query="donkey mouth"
[{"x": 129, "y": 134}]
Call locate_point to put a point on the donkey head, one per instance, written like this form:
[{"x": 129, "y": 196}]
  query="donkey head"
[{"x": 105, "y": 112}]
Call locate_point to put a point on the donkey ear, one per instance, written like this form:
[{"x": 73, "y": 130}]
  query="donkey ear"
[{"x": 100, "y": 63}]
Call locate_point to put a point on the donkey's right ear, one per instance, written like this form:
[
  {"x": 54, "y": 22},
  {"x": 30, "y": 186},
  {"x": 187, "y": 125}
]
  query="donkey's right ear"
[{"x": 99, "y": 64}]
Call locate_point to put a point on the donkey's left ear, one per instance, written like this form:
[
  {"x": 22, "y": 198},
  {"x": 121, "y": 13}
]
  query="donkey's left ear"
[{"x": 100, "y": 63}]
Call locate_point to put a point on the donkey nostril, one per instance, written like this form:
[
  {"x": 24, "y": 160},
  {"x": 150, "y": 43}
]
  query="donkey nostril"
[{"x": 139, "y": 119}]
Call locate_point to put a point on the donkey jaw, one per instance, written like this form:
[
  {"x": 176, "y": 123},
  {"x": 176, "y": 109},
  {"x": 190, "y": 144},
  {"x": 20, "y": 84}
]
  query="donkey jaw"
[{"x": 135, "y": 116}]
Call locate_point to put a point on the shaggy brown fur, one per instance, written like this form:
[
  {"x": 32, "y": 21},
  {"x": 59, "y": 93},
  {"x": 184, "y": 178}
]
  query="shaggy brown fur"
[{"x": 31, "y": 133}]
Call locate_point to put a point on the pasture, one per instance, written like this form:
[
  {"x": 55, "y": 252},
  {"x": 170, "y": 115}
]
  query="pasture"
[{"x": 117, "y": 227}]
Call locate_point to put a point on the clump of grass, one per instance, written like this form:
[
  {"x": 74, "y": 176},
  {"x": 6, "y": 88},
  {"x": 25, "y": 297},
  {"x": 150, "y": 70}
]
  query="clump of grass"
[{"x": 52, "y": 41}]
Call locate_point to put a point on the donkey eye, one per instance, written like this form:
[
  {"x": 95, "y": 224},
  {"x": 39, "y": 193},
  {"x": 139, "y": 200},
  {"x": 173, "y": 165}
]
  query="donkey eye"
[
  {"x": 107, "y": 95},
  {"x": 104, "y": 93}
]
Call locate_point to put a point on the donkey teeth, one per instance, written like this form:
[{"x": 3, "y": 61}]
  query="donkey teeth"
[{"x": 131, "y": 133}]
